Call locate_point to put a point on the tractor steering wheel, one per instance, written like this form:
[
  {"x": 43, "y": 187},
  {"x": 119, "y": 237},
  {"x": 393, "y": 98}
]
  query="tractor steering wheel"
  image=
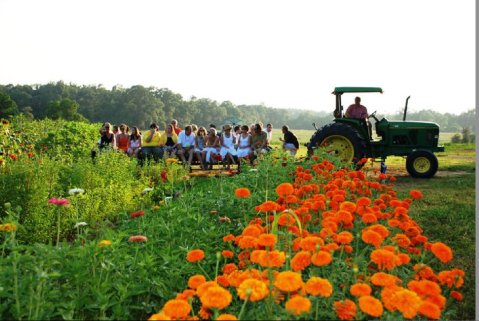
[{"x": 373, "y": 115}]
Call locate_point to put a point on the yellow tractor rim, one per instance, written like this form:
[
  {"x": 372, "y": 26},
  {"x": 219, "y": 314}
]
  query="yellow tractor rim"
[
  {"x": 339, "y": 146},
  {"x": 421, "y": 164}
]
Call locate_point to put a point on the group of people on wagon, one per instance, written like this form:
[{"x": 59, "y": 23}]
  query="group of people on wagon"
[{"x": 205, "y": 144}]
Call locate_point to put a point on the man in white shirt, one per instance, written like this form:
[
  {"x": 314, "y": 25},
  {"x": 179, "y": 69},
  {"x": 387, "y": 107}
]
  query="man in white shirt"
[
  {"x": 269, "y": 131},
  {"x": 186, "y": 144}
]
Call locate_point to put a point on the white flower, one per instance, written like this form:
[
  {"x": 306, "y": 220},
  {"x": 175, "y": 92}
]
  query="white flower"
[
  {"x": 81, "y": 224},
  {"x": 76, "y": 191},
  {"x": 148, "y": 189},
  {"x": 253, "y": 170},
  {"x": 168, "y": 198}
]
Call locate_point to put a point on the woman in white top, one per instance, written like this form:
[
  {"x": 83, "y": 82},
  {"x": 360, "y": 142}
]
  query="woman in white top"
[
  {"x": 227, "y": 142},
  {"x": 244, "y": 142}
]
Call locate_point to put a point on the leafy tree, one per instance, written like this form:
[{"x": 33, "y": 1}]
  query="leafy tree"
[
  {"x": 456, "y": 139},
  {"x": 171, "y": 101},
  {"x": 7, "y": 106},
  {"x": 466, "y": 135}
]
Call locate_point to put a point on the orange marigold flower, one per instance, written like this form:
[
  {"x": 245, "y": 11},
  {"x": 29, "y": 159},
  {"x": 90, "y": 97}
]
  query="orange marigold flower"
[
  {"x": 297, "y": 304},
  {"x": 229, "y": 238},
  {"x": 177, "y": 309},
  {"x": 284, "y": 189},
  {"x": 369, "y": 218},
  {"x": 286, "y": 219},
  {"x": 159, "y": 316},
  {"x": 247, "y": 242},
  {"x": 258, "y": 290},
  {"x": 195, "y": 255},
  {"x": 380, "y": 229},
  {"x": 430, "y": 310},
  {"x": 301, "y": 261},
  {"x": 346, "y": 310},
  {"x": 226, "y": 316},
  {"x": 344, "y": 237},
  {"x": 202, "y": 288},
  {"x": 416, "y": 194},
  {"x": 205, "y": 313},
  {"x": 222, "y": 280},
  {"x": 343, "y": 217},
  {"x": 370, "y": 305},
  {"x": 384, "y": 279},
  {"x": 309, "y": 243},
  {"x": 228, "y": 268},
  {"x": 456, "y": 295},
  {"x": 451, "y": 278},
  {"x": 251, "y": 230},
  {"x": 242, "y": 192},
  {"x": 269, "y": 206},
  {"x": 360, "y": 289},
  {"x": 348, "y": 207},
  {"x": 442, "y": 252},
  {"x": 321, "y": 258},
  {"x": 319, "y": 286},
  {"x": 363, "y": 201},
  {"x": 424, "y": 288},
  {"x": 406, "y": 301},
  {"x": 228, "y": 254},
  {"x": 384, "y": 259},
  {"x": 288, "y": 281},
  {"x": 196, "y": 280},
  {"x": 186, "y": 294},
  {"x": 216, "y": 297},
  {"x": 371, "y": 237},
  {"x": 272, "y": 259},
  {"x": 267, "y": 239}
]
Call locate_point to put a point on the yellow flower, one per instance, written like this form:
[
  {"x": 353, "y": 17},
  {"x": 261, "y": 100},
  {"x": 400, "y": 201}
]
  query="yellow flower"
[
  {"x": 155, "y": 207},
  {"x": 105, "y": 243},
  {"x": 171, "y": 160}
]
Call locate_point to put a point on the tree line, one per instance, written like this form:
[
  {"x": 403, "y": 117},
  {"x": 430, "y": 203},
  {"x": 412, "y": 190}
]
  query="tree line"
[{"x": 140, "y": 106}]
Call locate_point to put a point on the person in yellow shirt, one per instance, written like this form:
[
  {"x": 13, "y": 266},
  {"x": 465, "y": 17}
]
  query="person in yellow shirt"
[
  {"x": 168, "y": 141},
  {"x": 150, "y": 147}
]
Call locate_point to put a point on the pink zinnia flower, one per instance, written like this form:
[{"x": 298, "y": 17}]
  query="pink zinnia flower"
[
  {"x": 137, "y": 238},
  {"x": 59, "y": 201},
  {"x": 137, "y": 214}
]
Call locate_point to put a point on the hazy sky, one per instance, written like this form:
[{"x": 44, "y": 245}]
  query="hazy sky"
[{"x": 284, "y": 54}]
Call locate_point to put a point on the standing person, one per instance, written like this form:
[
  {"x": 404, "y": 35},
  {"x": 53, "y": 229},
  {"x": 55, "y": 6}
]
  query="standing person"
[
  {"x": 186, "y": 144},
  {"x": 151, "y": 145},
  {"x": 176, "y": 129},
  {"x": 227, "y": 142},
  {"x": 269, "y": 133},
  {"x": 251, "y": 129},
  {"x": 122, "y": 138},
  {"x": 290, "y": 141},
  {"x": 259, "y": 140},
  {"x": 244, "y": 142},
  {"x": 108, "y": 138},
  {"x": 134, "y": 143},
  {"x": 168, "y": 141},
  {"x": 116, "y": 131},
  {"x": 200, "y": 146},
  {"x": 212, "y": 146}
]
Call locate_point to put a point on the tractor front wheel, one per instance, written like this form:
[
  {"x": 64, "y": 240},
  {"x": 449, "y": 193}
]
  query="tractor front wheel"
[{"x": 421, "y": 164}]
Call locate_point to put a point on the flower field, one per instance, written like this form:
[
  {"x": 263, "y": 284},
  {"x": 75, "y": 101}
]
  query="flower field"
[{"x": 287, "y": 239}]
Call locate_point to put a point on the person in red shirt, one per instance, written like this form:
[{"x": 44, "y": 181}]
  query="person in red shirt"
[{"x": 176, "y": 129}]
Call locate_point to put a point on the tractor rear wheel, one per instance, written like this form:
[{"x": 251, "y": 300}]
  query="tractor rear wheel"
[
  {"x": 341, "y": 140},
  {"x": 422, "y": 164}
]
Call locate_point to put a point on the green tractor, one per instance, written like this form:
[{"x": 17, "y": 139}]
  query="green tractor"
[{"x": 351, "y": 139}]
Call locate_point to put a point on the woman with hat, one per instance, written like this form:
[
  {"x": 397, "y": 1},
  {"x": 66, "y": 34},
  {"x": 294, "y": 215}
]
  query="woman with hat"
[{"x": 227, "y": 143}]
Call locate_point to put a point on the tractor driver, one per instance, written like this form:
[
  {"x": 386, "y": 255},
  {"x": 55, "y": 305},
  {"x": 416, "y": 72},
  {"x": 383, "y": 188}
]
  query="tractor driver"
[{"x": 358, "y": 111}]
